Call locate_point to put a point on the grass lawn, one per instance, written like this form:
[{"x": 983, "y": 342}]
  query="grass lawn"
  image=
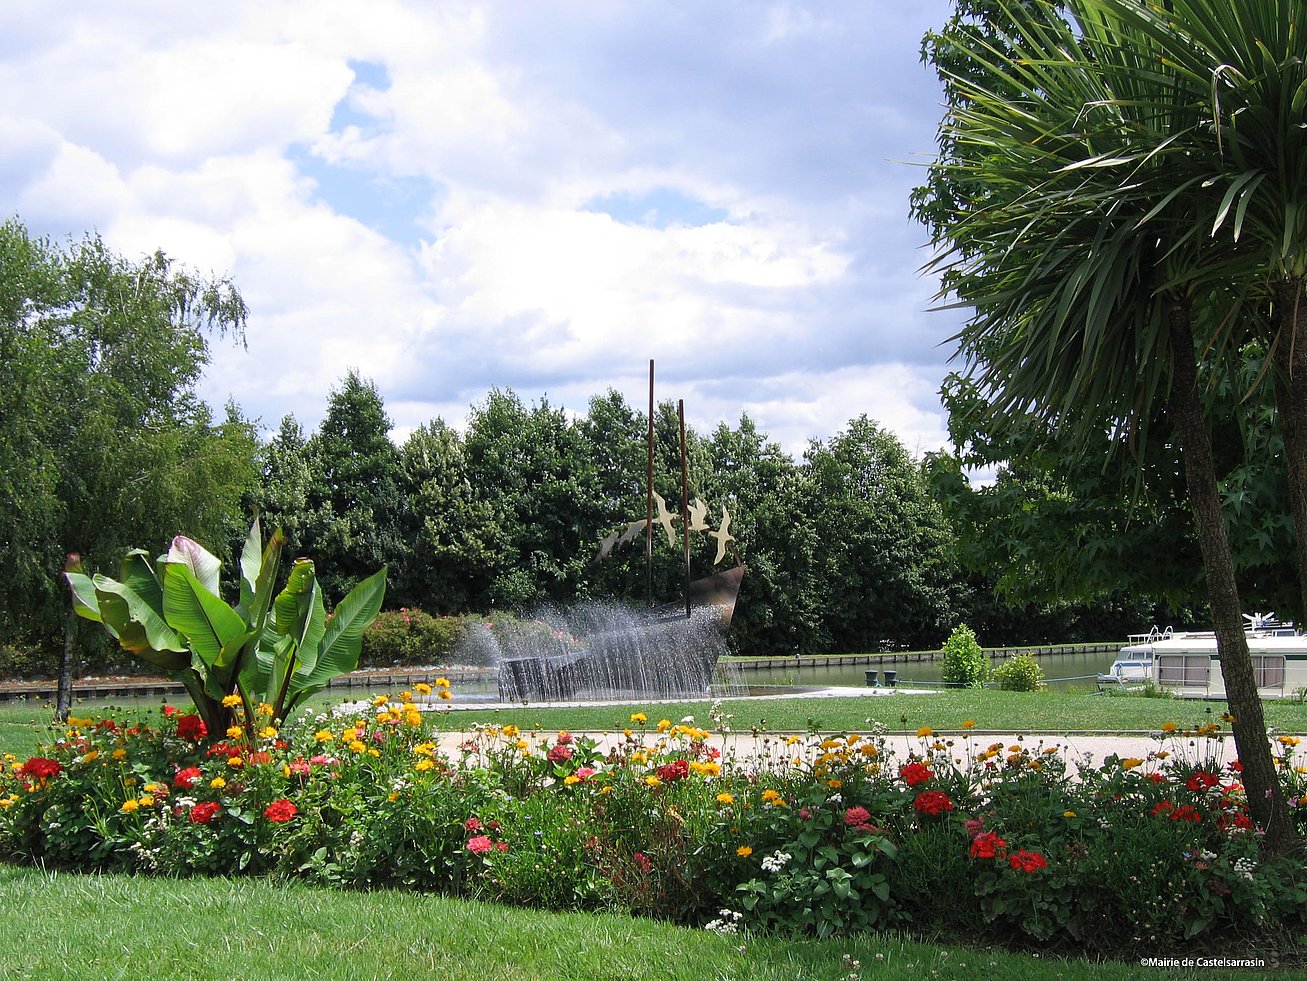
[
  {"x": 22, "y": 723},
  {"x": 85, "y": 926}
]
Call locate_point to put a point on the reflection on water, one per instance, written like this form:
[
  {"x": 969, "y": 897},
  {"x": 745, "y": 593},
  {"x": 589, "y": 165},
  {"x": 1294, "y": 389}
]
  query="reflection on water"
[{"x": 1082, "y": 668}]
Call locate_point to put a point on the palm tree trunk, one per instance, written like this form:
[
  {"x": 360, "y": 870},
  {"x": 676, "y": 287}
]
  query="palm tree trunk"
[
  {"x": 1290, "y": 374},
  {"x": 1265, "y": 798}
]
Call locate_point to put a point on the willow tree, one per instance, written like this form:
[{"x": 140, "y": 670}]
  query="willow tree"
[{"x": 1088, "y": 262}]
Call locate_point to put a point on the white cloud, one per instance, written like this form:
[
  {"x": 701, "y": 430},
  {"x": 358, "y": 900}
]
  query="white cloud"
[{"x": 198, "y": 130}]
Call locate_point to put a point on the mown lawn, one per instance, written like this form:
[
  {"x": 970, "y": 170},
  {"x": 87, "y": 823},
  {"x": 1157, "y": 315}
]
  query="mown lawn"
[{"x": 89, "y": 926}]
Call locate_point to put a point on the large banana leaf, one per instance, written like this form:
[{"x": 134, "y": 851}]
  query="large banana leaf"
[
  {"x": 138, "y": 626},
  {"x": 342, "y": 640},
  {"x": 85, "y": 603},
  {"x": 251, "y": 564},
  {"x": 302, "y": 617},
  {"x": 207, "y": 623}
]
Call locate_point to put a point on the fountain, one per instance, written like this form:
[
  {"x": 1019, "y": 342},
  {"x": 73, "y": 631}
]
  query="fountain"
[{"x": 603, "y": 650}]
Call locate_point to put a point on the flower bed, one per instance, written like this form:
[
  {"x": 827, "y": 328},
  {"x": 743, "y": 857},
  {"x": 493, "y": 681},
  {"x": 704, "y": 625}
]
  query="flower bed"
[{"x": 820, "y": 835}]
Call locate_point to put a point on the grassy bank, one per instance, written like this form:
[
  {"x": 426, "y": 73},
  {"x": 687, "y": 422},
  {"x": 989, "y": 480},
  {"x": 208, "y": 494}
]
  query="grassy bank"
[{"x": 92, "y": 927}]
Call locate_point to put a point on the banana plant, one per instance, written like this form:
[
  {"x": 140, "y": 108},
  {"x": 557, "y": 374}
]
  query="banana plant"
[{"x": 264, "y": 650}]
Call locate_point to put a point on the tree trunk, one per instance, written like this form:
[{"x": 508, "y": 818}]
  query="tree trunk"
[
  {"x": 1265, "y": 798},
  {"x": 1290, "y": 373},
  {"x": 63, "y": 701}
]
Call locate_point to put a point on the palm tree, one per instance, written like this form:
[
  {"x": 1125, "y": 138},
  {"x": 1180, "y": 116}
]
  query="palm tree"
[{"x": 1088, "y": 260}]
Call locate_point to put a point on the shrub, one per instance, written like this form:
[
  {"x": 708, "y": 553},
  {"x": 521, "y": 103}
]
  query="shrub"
[
  {"x": 1020, "y": 673},
  {"x": 964, "y": 662},
  {"x": 410, "y": 636}
]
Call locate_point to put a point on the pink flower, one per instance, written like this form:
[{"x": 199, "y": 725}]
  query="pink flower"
[
  {"x": 857, "y": 816},
  {"x": 300, "y": 768},
  {"x": 564, "y": 738},
  {"x": 560, "y": 754},
  {"x": 472, "y": 824},
  {"x": 642, "y": 860},
  {"x": 974, "y": 827},
  {"x": 480, "y": 845},
  {"x": 585, "y": 773},
  {"x": 675, "y": 770}
]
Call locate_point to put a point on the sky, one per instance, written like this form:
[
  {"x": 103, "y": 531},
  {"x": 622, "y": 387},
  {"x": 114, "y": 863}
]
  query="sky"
[{"x": 452, "y": 197}]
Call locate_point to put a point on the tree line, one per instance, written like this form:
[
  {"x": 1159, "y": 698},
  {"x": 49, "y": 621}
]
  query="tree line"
[{"x": 105, "y": 446}]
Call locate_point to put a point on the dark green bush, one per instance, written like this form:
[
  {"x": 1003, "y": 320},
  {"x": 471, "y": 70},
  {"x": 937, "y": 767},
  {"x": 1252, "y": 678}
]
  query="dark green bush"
[{"x": 964, "y": 662}]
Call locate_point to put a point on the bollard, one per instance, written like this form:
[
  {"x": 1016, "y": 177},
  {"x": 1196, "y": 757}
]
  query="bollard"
[
  {"x": 871, "y": 679},
  {"x": 891, "y": 678}
]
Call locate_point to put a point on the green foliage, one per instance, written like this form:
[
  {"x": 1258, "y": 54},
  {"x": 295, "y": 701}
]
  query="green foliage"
[
  {"x": 102, "y": 438},
  {"x": 1020, "y": 673},
  {"x": 964, "y": 662}
]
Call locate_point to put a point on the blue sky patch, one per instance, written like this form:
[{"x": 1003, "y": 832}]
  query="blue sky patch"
[{"x": 659, "y": 208}]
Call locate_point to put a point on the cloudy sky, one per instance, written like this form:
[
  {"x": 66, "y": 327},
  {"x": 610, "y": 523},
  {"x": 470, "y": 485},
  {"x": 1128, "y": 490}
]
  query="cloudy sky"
[{"x": 533, "y": 194}]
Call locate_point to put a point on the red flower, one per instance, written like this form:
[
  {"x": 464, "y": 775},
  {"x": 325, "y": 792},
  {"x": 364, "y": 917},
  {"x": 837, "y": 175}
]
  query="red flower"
[
  {"x": 564, "y": 738},
  {"x": 675, "y": 770},
  {"x": 1201, "y": 780},
  {"x": 1163, "y": 809},
  {"x": 472, "y": 824},
  {"x": 280, "y": 811},
  {"x": 300, "y": 768},
  {"x": 255, "y": 759},
  {"x": 643, "y": 861},
  {"x": 170, "y": 710},
  {"x": 480, "y": 845},
  {"x": 560, "y": 754},
  {"x": 41, "y": 767},
  {"x": 205, "y": 811},
  {"x": 1236, "y": 766},
  {"x": 185, "y": 778},
  {"x": 502, "y": 846},
  {"x": 988, "y": 844},
  {"x": 1238, "y": 822},
  {"x": 192, "y": 727},
  {"x": 1186, "y": 812},
  {"x": 933, "y": 802},
  {"x": 915, "y": 773},
  {"x": 1025, "y": 861}
]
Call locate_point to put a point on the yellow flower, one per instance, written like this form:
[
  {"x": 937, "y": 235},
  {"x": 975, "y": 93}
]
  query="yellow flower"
[
  {"x": 323, "y": 736},
  {"x": 422, "y": 688},
  {"x": 1288, "y": 740},
  {"x": 380, "y": 700},
  {"x": 510, "y": 731},
  {"x": 349, "y": 734},
  {"x": 444, "y": 694},
  {"x": 869, "y": 750},
  {"x": 639, "y": 717},
  {"x": 217, "y": 783},
  {"x": 285, "y": 770},
  {"x": 790, "y": 741},
  {"x": 394, "y": 796},
  {"x": 152, "y": 788},
  {"x": 522, "y": 744},
  {"x": 7, "y": 802},
  {"x": 664, "y": 725},
  {"x": 770, "y": 796},
  {"x": 424, "y": 749},
  {"x": 725, "y": 798},
  {"x": 357, "y": 746},
  {"x": 1131, "y": 763},
  {"x": 147, "y": 800},
  {"x": 1169, "y": 727},
  {"x": 652, "y": 781},
  {"x": 834, "y": 784},
  {"x": 413, "y": 719},
  {"x": 129, "y": 805},
  {"x": 744, "y": 851},
  {"x": 1068, "y": 814},
  {"x": 235, "y": 732},
  {"x": 606, "y": 789},
  {"x": 91, "y": 756},
  {"x": 264, "y": 709},
  {"x": 406, "y": 696},
  {"x": 235, "y": 762},
  {"x": 969, "y": 724},
  {"x": 442, "y": 682},
  {"x": 231, "y": 701},
  {"x": 924, "y": 731},
  {"x": 571, "y": 779},
  {"x": 267, "y": 732},
  {"x": 638, "y": 756},
  {"x": 424, "y": 764},
  {"x": 1227, "y": 717},
  {"x": 374, "y": 752}
]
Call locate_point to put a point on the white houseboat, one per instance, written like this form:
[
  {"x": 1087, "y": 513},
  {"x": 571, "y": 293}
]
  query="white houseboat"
[{"x": 1189, "y": 664}]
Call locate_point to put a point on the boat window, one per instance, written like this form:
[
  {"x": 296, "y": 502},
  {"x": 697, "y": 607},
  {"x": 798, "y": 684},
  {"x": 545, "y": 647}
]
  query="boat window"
[
  {"x": 1269, "y": 670},
  {"x": 1183, "y": 670}
]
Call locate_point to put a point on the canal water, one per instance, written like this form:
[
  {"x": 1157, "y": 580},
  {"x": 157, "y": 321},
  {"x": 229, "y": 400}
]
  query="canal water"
[{"x": 1067, "y": 672}]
